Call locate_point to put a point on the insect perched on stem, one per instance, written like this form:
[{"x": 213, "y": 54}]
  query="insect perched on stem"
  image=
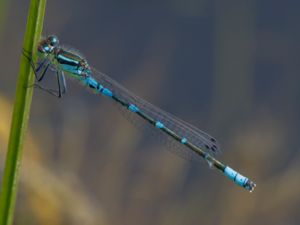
[{"x": 185, "y": 139}]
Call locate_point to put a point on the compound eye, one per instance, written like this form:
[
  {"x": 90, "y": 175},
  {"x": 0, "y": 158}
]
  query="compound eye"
[{"x": 53, "y": 41}]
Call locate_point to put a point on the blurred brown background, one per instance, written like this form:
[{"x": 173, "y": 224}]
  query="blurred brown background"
[{"x": 229, "y": 67}]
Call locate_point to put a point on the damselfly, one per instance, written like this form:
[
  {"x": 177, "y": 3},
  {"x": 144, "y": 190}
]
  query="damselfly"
[{"x": 189, "y": 140}]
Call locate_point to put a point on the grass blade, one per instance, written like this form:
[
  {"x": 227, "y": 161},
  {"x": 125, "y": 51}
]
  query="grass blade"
[{"x": 20, "y": 113}]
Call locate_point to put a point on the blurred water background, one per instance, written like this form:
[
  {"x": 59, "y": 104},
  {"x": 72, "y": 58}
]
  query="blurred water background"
[{"x": 229, "y": 67}]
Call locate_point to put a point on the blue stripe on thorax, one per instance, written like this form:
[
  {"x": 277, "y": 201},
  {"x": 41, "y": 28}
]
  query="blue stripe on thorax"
[
  {"x": 67, "y": 60},
  {"x": 70, "y": 68}
]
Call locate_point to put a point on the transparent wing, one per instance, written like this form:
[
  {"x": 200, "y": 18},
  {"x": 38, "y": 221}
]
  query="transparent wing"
[{"x": 181, "y": 128}]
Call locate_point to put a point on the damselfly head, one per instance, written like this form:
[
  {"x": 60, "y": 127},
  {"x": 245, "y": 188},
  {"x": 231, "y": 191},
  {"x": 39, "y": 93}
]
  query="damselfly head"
[{"x": 48, "y": 45}]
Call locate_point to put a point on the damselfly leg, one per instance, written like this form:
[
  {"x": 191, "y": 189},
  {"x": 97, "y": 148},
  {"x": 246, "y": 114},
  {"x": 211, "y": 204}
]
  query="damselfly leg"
[{"x": 44, "y": 66}]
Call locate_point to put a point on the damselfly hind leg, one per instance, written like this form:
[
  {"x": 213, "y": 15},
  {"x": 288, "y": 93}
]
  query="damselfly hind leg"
[{"x": 61, "y": 83}]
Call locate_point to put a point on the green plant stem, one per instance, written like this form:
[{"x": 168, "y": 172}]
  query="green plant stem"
[{"x": 21, "y": 113}]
